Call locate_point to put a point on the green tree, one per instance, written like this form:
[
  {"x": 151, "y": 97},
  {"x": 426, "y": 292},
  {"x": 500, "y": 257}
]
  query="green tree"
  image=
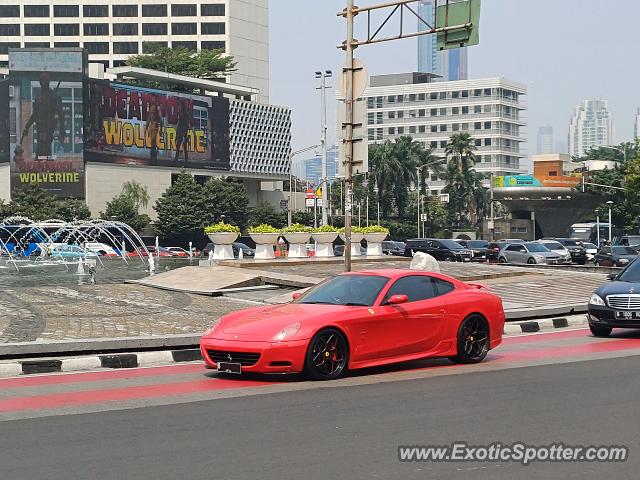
[
  {"x": 209, "y": 64},
  {"x": 383, "y": 167},
  {"x": 70, "y": 209},
  {"x": 137, "y": 193},
  {"x": 226, "y": 197},
  {"x": 123, "y": 209},
  {"x": 33, "y": 202},
  {"x": 180, "y": 211},
  {"x": 266, "y": 213}
]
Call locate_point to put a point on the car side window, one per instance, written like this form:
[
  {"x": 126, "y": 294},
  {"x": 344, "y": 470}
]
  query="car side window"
[
  {"x": 441, "y": 286},
  {"x": 606, "y": 250},
  {"x": 513, "y": 248},
  {"x": 416, "y": 287}
]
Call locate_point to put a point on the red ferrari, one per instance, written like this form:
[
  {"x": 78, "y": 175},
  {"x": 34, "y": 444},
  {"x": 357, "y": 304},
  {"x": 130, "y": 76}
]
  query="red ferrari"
[{"x": 358, "y": 320}]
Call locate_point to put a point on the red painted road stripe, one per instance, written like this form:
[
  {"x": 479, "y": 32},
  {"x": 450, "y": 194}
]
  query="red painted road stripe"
[
  {"x": 58, "y": 400},
  {"x": 573, "y": 350},
  {"x": 81, "y": 377},
  {"x": 545, "y": 336}
]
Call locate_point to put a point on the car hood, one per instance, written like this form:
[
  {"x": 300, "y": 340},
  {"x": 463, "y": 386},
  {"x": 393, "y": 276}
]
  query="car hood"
[
  {"x": 545, "y": 254},
  {"x": 617, "y": 287},
  {"x": 628, "y": 257},
  {"x": 261, "y": 324}
]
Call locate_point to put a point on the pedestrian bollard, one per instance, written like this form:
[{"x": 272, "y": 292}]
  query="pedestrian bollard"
[{"x": 92, "y": 272}]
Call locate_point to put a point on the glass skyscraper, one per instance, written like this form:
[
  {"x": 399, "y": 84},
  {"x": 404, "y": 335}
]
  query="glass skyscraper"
[{"x": 449, "y": 64}]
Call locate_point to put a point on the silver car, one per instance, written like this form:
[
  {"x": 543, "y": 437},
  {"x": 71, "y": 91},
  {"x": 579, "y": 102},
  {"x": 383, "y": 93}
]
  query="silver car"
[
  {"x": 557, "y": 247},
  {"x": 528, "y": 252}
]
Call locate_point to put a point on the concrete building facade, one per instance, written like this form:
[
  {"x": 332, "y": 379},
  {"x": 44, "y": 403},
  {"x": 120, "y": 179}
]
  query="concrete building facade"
[
  {"x": 491, "y": 110},
  {"x": 591, "y": 125},
  {"x": 545, "y": 140},
  {"x": 112, "y": 30}
]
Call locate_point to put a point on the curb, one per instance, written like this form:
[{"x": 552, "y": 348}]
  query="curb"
[
  {"x": 545, "y": 325},
  {"x": 93, "y": 362}
]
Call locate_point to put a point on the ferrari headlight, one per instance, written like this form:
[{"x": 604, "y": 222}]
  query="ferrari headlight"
[
  {"x": 287, "y": 331},
  {"x": 212, "y": 328},
  {"x": 596, "y": 300}
]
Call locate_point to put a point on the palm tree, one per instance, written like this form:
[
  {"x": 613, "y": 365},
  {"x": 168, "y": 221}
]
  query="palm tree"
[
  {"x": 460, "y": 151},
  {"x": 383, "y": 166}
]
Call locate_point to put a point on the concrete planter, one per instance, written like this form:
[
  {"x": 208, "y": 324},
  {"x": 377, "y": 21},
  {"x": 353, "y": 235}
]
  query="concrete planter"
[
  {"x": 374, "y": 242},
  {"x": 223, "y": 242},
  {"x": 356, "y": 238},
  {"x": 324, "y": 240},
  {"x": 297, "y": 244},
  {"x": 264, "y": 244}
]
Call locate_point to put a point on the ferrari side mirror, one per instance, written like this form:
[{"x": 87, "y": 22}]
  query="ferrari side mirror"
[
  {"x": 295, "y": 295},
  {"x": 397, "y": 300}
]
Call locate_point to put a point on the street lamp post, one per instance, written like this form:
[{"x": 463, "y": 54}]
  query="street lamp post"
[
  {"x": 609, "y": 204},
  {"x": 418, "y": 171},
  {"x": 291, "y": 155},
  {"x": 622, "y": 150},
  {"x": 598, "y": 226},
  {"x": 323, "y": 137}
]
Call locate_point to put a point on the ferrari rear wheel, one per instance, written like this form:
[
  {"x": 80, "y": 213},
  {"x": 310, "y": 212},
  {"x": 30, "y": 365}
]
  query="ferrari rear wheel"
[
  {"x": 473, "y": 340},
  {"x": 327, "y": 355}
]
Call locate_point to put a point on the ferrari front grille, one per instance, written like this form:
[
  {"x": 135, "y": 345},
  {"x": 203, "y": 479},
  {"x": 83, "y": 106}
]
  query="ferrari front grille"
[{"x": 246, "y": 359}]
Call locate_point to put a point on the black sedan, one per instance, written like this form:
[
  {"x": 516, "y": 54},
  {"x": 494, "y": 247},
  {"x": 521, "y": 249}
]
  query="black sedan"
[
  {"x": 576, "y": 249},
  {"x": 616, "y": 256},
  {"x": 478, "y": 249},
  {"x": 391, "y": 247},
  {"x": 439, "y": 248},
  {"x": 616, "y": 304}
]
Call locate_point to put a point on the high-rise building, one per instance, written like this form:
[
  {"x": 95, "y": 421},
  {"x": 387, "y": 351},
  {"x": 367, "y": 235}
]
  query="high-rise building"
[
  {"x": 112, "y": 30},
  {"x": 313, "y": 166},
  {"x": 545, "y": 140},
  {"x": 636, "y": 125},
  {"x": 489, "y": 109},
  {"x": 449, "y": 64},
  {"x": 590, "y": 125}
]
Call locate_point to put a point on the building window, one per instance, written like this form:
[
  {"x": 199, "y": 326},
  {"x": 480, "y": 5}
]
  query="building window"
[
  {"x": 443, "y": 111},
  {"x": 400, "y": 98},
  {"x": 477, "y": 125},
  {"x": 124, "y": 10},
  {"x": 392, "y": 115},
  {"x": 96, "y": 29},
  {"x": 477, "y": 92},
  {"x": 104, "y": 63},
  {"x": 400, "y": 130},
  {"x": 212, "y": 10},
  {"x": 465, "y": 93},
  {"x": 487, "y": 109},
  {"x": 189, "y": 45},
  {"x": 443, "y": 128},
  {"x": 487, "y": 92},
  {"x": 212, "y": 28},
  {"x": 422, "y": 128},
  {"x": 434, "y": 112},
  {"x": 37, "y": 29},
  {"x": 148, "y": 47},
  {"x": 154, "y": 10},
  {"x": 412, "y": 97},
  {"x": 455, "y": 127},
  {"x": 9, "y": 11},
  {"x": 412, "y": 129},
  {"x": 455, "y": 94},
  {"x": 433, "y": 144},
  {"x": 181, "y": 10},
  {"x": 154, "y": 28},
  {"x": 392, "y": 130},
  {"x": 400, "y": 114},
  {"x": 66, "y": 44},
  {"x": 66, "y": 30},
  {"x": 391, "y": 99},
  {"x": 36, "y": 10},
  {"x": 487, "y": 125},
  {"x": 443, "y": 143},
  {"x": 553, "y": 173},
  {"x": 119, "y": 63},
  {"x": 477, "y": 109},
  {"x": 66, "y": 11},
  {"x": 422, "y": 97},
  {"x": 478, "y": 142},
  {"x": 37, "y": 44},
  {"x": 434, "y": 128},
  {"x": 10, "y": 31},
  {"x": 455, "y": 111},
  {"x": 433, "y": 96},
  {"x": 121, "y": 29},
  {"x": 5, "y": 46},
  {"x": 97, "y": 47},
  {"x": 487, "y": 142},
  {"x": 421, "y": 112},
  {"x": 95, "y": 10},
  {"x": 184, "y": 28},
  {"x": 465, "y": 110},
  {"x": 125, "y": 47}
]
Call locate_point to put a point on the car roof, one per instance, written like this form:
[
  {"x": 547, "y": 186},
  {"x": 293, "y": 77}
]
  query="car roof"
[{"x": 393, "y": 273}]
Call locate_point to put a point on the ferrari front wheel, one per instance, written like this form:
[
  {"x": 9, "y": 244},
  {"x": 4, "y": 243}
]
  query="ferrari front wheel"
[
  {"x": 473, "y": 340},
  {"x": 327, "y": 355}
]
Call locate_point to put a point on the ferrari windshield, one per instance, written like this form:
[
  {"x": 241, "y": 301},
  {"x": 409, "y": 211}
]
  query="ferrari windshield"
[{"x": 349, "y": 290}]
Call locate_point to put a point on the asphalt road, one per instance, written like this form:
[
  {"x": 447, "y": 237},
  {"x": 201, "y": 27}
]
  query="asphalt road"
[{"x": 350, "y": 430}]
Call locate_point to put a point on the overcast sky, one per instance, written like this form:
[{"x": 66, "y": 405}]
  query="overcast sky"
[{"x": 562, "y": 50}]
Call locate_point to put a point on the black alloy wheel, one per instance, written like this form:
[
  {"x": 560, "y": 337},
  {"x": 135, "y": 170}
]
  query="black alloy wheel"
[
  {"x": 327, "y": 355},
  {"x": 502, "y": 260},
  {"x": 473, "y": 340},
  {"x": 600, "y": 330},
  {"x": 531, "y": 261}
]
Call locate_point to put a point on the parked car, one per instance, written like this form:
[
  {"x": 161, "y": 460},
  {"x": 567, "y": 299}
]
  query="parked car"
[
  {"x": 338, "y": 250},
  {"x": 591, "y": 250},
  {"x": 70, "y": 251},
  {"x": 615, "y": 304},
  {"x": 478, "y": 249},
  {"x": 493, "y": 251},
  {"x": 616, "y": 256},
  {"x": 101, "y": 249},
  {"x": 440, "y": 249},
  {"x": 160, "y": 252},
  {"x": 576, "y": 249},
  {"x": 178, "y": 251},
  {"x": 512, "y": 240},
  {"x": 529, "y": 252},
  {"x": 557, "y": 247},
  {"x": 391, "y": 247},
  {"x": 247, "y": 251},
  {"x": 632, "y": 241}
]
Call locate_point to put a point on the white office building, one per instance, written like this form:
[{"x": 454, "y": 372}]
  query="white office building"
[
  {"x": 112, "y": 30},
  {"x": 490, "y": 109},
  {"x": 590, "y": 125},
  {"x": 545, "y": 143}
]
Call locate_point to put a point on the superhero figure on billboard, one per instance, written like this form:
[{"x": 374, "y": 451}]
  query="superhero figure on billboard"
[
  {"x": 182, "y": 132},
  {"x": 47, "y": 112},
  {"x": 153, "y": 127}
]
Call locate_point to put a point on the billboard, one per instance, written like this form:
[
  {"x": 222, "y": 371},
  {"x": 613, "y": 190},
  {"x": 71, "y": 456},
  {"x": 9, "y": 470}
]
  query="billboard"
[
  {"x": 45, "y": 112},
  {"x": 531, "y": 181},
  {"x": 132, "y": 125}
]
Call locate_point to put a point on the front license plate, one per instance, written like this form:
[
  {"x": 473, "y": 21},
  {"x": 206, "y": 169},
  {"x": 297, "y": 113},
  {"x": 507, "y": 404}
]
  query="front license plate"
[
  {"x": 628, "y": 315},
  {"x": 229, "y": 367}
]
